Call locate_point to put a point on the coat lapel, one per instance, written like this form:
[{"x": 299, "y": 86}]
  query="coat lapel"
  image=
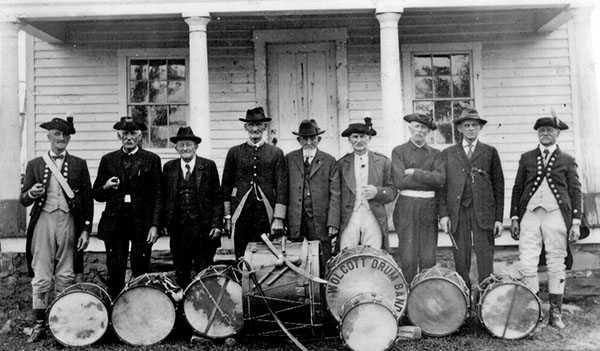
[
  {"x": 199, "y": 173},
  {"x": 317, "y": 163},
  {"x": 477, "y": 152},
  {"x": 297, "y": 161},
  {"x": 137, "y": 163},
  {"x": 375, "y": 169},
  {"x": 459, "y": 153},
  {"x": 348, "y": 172}
]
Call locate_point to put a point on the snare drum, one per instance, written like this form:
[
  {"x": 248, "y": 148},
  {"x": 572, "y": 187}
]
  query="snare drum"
[
  {"x": 507, "y": 308},
  {"x": 212, "y": 303},
  {"x": 369, "y": 323},
  {"x": 438, "y": 302},
  {"x": 79, "y": 315},
  {"x": 144, "y": 313},
  {"x": 363, "y": 269}
]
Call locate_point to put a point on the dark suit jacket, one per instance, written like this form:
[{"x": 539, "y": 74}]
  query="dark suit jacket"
[
  {"x": 208, "y": 188},
  {"x": 484, "y": 170},
  {"x": 145, "y": 192},
  {"x": 380, "y": 175},
  {"x": 81, "y": 206},
  {"x": 324, "y": 181}
]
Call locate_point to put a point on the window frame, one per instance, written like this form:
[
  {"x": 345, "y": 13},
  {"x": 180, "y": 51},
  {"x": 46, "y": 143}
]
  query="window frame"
[{"x": 409, "y": 50}]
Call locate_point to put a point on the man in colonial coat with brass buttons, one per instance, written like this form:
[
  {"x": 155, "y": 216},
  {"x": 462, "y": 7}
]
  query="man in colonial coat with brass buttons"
[
  {"x": 546, "y": 211},
  {"x": 58, "y": 186}
]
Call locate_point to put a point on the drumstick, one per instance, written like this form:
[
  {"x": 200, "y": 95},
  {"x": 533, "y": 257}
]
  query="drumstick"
[{"x": 453, "y": 241}]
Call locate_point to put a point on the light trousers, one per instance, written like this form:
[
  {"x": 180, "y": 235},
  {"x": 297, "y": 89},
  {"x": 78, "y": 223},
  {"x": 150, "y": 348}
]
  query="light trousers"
[{"x": 362, "y": 229}]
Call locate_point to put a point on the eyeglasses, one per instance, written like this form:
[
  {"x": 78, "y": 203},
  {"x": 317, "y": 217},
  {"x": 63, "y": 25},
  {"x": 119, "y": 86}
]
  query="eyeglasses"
[{"x": 182, "y": 144}]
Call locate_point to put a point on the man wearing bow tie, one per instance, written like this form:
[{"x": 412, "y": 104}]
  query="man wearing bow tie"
[
  {"x": 129, "y": 182},
  {"x": 546, "y": 212},
  {"x": 58, "y": 185},
  {"x": 313, "y": 210}
]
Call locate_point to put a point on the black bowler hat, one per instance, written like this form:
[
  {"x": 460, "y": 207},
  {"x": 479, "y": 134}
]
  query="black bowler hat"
[
  {"x": 361, "y": 128},
  {"x": 423, "y": 119},
  {"x": 255, "y": 115},
  {"x": 308, "y": 128},
  {"x": 550, "y": 122},
  {"x": 472, "y": 114},
  {"x": 129, "y": 123},
  {"x": 60, "y": 124},
  {"x": 185, "y": 133}
]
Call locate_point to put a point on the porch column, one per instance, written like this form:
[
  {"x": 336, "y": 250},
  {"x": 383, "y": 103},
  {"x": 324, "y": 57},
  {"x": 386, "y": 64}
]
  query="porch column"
[
  {"x": 12, "y": 214},
  {"x": 585, "y": 120},
  {"x": 391, "y": 89},
  {"x": 198, "y": 82}
]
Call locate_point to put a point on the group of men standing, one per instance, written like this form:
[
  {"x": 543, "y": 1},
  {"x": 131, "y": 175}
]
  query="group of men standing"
[{"x": 340, "y": 203}]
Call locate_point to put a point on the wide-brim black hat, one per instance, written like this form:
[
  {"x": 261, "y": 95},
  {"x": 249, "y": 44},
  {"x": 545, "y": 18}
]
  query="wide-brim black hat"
[
  {"x": 550, "y": 122},
  {"x": 130, "y": 123},
  {"x": 423, "y": 119},
  {"x": 308, "y": 128},
  {"x": 60, "y": 124},
  {"x": 472, "y": 114},
  {"x": 255, "y": 115},
  {"x": 185, "y": 133},
  {"x": 361, "y": 128}
]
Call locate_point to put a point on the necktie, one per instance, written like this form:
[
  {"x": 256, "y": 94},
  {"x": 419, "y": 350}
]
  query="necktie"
[
  {"x": 470, "y": 151},
  {"x": 306, "y": 162},
  {"x": 187, "y": 172},
  {"x": 546, "y": 153},
  {"x": 58, "y": 157}
]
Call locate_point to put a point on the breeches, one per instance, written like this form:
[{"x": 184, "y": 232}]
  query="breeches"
[{"x": 362, "y": 229}]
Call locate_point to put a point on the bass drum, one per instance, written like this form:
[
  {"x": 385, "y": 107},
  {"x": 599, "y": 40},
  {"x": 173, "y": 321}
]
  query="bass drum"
[
  {"x": 507, "y": 308},
  {"x": 362, "y": 269},
  {"x": 79, "y": 316},
  {"x": 369, "y": 323},
  {"x": 295, "y": 299},
  {"x": 144, "y": 313},
  {"x": 212, "y": 303},
  {"x": 438, "y": 302}
]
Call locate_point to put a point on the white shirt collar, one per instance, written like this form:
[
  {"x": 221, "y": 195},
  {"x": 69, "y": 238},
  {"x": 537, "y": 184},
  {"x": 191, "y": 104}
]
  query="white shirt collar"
[
  {"x": 465, "y": 144},
  {"x": 550, "y": 148},
  {"x": 131, "y": 152},
  {"x": 192, "y": 164},
  {"x": 259, "y": 144},
  {"x": 310, "y": 154},
  {"x": 51, "y": 153}
]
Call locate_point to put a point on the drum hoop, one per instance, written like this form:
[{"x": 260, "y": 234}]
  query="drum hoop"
[{"x": 465, "y": 294}]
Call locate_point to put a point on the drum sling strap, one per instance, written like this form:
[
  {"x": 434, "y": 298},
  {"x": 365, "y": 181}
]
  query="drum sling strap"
[
  {"x": 61, "y": 180},
  {"x": 240, "y": 207}
]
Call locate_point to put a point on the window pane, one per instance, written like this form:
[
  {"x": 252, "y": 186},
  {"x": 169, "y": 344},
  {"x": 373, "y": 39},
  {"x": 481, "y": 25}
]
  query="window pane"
[
  {"x": 176, "y": 70},
  {"x": 422, "y": 65},
  {"x": 138, "y": 69},
  {"x": 461, "y": 65},
  {"x": 423, "y": 87},
  {"x": 442, "y": 87},
  {"x": 176, "y": 91},
  {"x": 157, "y": 115},
  {"x": 138, "y": 91},
  {"x": 443, "y": 133},
  {"x": 158, "y": 92},
  {"x": 158, "y": 70},
  {"x": 424, "y": 108},
  {"x": 443, "y": 113},
  {"x": 178, "y": 115},
  {"x": 159, "y": 137},
  {"x": 441, "y": 65},
  {"x": 459, "y": 106},
  {"x": 461, "y": 86}
]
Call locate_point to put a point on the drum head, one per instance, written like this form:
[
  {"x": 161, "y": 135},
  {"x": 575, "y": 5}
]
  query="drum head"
[
  {"x": 213, "y": 306},
  {"x": 78, "y": 318},
  {"x": 504, "y": 321},
  {"x": 143, "y": 316},
  {"x": 438, "y": 306},
  {"x": 369, "y": 327}
]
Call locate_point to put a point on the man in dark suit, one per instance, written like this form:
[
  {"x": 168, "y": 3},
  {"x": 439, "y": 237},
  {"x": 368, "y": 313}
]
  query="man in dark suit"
[
  {"x": 471, "y": 201},
  {"x": 313, "y": 210},
  {"x": 254, "y": 185},
  {"x": 129, "y": 182},
  {"x": 418, "y": 173},
  {"x": 58, "y": 185},
  {"x": 546, "y": 211},
  {"x": 192, "y": 207},
  {"x": 366, "y": 186}
]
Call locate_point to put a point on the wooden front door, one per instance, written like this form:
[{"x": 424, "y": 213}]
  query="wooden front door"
[{"x": 302, "y": 84}]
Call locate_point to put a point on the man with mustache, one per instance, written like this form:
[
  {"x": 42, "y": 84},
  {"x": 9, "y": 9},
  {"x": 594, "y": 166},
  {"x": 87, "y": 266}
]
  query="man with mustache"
[
  {"x": 313, "y": 210},
  {"x": 366, "y": 186},
  {"x": 254, "y": 185},
  {"x": 418, "y": 173}
]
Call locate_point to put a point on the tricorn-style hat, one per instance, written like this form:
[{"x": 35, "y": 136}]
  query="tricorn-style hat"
[
  {"x": 60, "y": 124},
  {"x": 256, "y": 114},
  {"x": 550, "y": 122},
  {"x": 129, "y": 123},
  {"x": 472, "y": 114},
  {"x": 366, "y": 128},
  {"x": 185, "y": 133},
  {"x": 423, "y": 119},
  {"x": 308, "y": 128}
]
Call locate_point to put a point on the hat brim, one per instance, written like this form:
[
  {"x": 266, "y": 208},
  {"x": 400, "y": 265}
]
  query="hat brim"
[
  {"x": 462, "y": 119},
  {"x": 308, "y": 135},
  {"x": 129, "y": 126},
  {"x": 66, "y": 129},
  {"x": 195, "y": 139},
  {"x": 266, "y": 119},
  {"x": 350, "y": 131}
]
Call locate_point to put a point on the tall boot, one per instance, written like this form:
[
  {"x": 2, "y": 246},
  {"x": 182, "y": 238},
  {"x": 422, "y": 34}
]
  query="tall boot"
[
  {"x": 555, "y": 319},
  {"x": 38, "y": 331}
]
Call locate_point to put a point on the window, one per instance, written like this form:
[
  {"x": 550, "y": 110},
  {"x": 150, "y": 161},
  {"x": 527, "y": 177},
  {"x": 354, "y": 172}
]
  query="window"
[
  {"x": 157, "y": 94},
  {"x": 442, "y": 84}
]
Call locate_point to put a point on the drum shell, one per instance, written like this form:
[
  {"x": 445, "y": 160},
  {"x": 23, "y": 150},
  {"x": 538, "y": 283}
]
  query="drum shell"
[
  {"x": 507, "y": 308},
  {"x": 295, "y": 299},
  {"x": 204, "y": 313},
  {"x": 134, "y": 322},
  {"x": 89, "y": 313},
  {"x": 438, "y": 302},
  {"x": 362, "y": 269}
]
